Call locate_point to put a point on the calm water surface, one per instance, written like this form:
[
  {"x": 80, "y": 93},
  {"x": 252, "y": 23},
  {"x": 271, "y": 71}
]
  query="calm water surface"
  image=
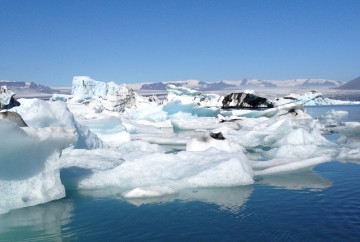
[{"x": 318, "y": 205}]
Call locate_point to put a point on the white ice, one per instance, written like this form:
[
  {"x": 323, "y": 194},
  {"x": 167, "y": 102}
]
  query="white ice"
[
  {"x": 108, "y": 139},
  {"x": 145, "y": 173},
  {"x": 312, "y": 98},
  {"x": 29, "y": 167}
]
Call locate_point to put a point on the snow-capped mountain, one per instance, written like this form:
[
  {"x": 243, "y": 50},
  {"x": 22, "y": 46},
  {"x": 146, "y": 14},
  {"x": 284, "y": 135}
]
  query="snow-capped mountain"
[
  {"x": 294, "y": 83},
  {"x": 198, "y": 85},
  {"x": 320, "y": 83},
  {"x": 245, "y": 83},
  {"x": 28, "y": 89},
  {"x": 13, "y": 85},
  {"x": 256, "y": 83}
]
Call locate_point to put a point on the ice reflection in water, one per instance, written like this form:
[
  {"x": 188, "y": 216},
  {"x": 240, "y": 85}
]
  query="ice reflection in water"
[
  {"x": 63, "y": 220},
  {"x": 296, "y": 181},
  {"x": 42, "y": 222},
  {"x": 230, "y": 199},
  {"x": 226, "y": 198}
]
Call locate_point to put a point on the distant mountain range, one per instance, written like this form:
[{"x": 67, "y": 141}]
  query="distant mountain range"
[
  {"x": 351, "y": 85},
  {"x": 26, "y": 85},
  {"x": 246, "y": 83},
  {"x": 28, "y": 89}
]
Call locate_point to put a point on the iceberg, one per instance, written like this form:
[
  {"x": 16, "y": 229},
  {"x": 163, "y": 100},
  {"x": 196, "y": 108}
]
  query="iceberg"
[
  {"x": 245, "y": 100},
  {"x": 312, "y": 98},
  {"x": 41, "y": 114},
  {"x": 106, "y": 139},
  {"x": 156, "y": 173},
  {"x": 108, "y": 129},
  {"x": 103, "y": 96},
  {"x": 29, "y": 164},
  {"x": 186, "y": 95}
]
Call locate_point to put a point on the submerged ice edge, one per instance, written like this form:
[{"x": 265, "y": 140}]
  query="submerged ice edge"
[{"x": 293, "y": 166}]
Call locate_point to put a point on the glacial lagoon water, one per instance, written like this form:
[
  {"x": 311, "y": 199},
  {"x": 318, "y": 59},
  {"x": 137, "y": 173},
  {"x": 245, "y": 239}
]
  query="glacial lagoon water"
[{"x": 318, "y": 205}]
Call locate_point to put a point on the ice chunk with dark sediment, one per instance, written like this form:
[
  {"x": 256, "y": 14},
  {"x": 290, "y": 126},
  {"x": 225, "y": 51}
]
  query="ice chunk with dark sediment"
[
  {"x": 7, "y": 99},
  {"x": 14, "y": 117},
  {"x": 245, "y": 100}
]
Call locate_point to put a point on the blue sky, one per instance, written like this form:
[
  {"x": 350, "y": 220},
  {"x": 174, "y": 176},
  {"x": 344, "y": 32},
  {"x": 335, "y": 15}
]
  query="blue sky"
[{"x": 48, "y": 41}]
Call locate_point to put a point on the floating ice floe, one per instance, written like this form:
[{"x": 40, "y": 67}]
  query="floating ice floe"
[
  {"x": 312, "y": 98},
  {"x": 144, "y": 173},
  {"x": 247, "y": 99},
  {"x": 106, "y": 139},
  {"x": 350, "y": 140}
]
